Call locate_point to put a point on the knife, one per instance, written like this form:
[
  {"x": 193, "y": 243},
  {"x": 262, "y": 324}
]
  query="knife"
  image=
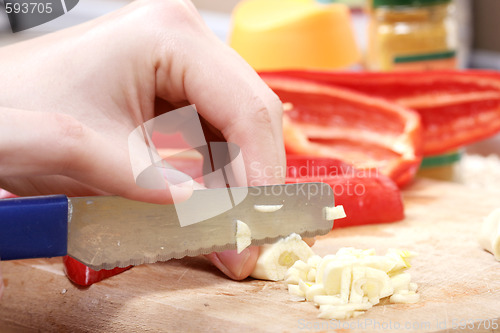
[{"x": 109, "y": 231}]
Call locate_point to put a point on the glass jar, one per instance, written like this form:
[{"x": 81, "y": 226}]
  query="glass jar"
[
  {"x": 411, "y": 35},
  {"x": 414, "y": 35}
]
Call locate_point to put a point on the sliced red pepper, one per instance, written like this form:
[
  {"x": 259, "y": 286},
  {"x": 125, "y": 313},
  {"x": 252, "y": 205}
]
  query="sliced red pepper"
[
  {"x": 370, "y": 133},
  {"x": 456, "y": 107},
  {"x": 82, "y": 275},
  {"x": 367, "y": 196}
]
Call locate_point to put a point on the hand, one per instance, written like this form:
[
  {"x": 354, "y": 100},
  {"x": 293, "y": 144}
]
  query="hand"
[{"x": 74, "y": 96}]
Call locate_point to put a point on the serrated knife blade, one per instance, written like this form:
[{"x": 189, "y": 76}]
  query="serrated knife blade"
[{"x": 108, "y": 231}]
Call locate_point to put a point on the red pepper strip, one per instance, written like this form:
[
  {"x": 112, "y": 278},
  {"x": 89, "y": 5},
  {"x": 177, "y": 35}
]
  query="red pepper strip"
[
  {"x": 5, "y": 195},
  {"x": 82, "y": 275},
  {"x": 456, "y": 107},
  {"x": 370, "y": 133},
  {"x": 367, "y": 196}
]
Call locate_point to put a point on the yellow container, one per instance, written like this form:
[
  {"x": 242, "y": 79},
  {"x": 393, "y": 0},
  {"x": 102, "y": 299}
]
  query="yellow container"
[
  {"x": 412, "y": 35},
  {"x": 293, "y": 34}
]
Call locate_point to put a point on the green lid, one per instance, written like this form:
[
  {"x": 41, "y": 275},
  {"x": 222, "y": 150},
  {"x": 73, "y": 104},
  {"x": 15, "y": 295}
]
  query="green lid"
[
  {"x": 396, "y": 3},
  {"x": 441, "y": 160}
]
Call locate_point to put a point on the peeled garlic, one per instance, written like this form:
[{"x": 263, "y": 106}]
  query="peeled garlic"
[
  {"x": 243, "y": 236},
  {"x": 333, "y": 213},
  {"x": 358, "y": 281},
  {"x": 406, "y": 298},
  {"x": 383, "y": 278},
  {"x": 352, "y": 281},
  {"x": 320, "y": 270},
  {"x": 314, "y": 290},
  {"x": 314, "y": 261},
  {"x": 267, "y": 208},
  {"x": 489, "y": 234},
  {"x": 343, "y": 285},
  {"x": 327, "y": 300},
  {"x": 401, "y": 282},
  {"x": 275, "y": 259},
  {"x": 343, "y": 311},
  {"x": 311, "y": 275},
  {"x": 401, "y": 258},
  {"x": 296, "y": 293},
  {"x": 304, "y": 286}
]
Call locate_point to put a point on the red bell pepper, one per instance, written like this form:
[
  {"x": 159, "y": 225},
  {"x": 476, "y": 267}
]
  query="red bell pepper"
[
  {"x": 370, "y": 133},
  {"x": 456, "y": 107},
  {"x": 367, "y": 196},
  {"x": 82, "y": 275}
]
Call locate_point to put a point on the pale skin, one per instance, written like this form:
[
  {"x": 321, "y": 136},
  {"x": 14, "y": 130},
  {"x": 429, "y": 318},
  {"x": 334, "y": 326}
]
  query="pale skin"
[{"x": 74, "y": 96}]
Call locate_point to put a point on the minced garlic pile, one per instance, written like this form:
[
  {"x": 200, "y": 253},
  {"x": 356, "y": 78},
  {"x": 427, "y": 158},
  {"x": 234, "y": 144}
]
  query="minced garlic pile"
[{"x": 350, "y": 282}]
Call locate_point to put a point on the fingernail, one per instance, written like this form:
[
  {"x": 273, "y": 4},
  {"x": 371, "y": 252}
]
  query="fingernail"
[{"x": 233, "y": 262}]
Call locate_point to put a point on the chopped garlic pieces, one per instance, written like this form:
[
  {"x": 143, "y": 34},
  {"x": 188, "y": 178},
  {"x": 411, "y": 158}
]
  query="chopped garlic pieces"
[
  {"x": 327, "y": 300},
  {"x": 343, "y": 311},
  {"x": 313, "y": 291},
  {"x": 406, "y": 298},
  {"x": 333, "y": 213},
  {"x": 243, "y": 236},
  {"x": 296, "y": 294},
  {"x": 489, "y": 234},
  {"x": 350, "y": 282},
  {"x": 275, "y": 259},
  {"x": 267, "y": 208}
]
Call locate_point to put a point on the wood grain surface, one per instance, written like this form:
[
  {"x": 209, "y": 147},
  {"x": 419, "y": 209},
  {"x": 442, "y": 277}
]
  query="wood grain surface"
[{"x": 459, "y": 283}]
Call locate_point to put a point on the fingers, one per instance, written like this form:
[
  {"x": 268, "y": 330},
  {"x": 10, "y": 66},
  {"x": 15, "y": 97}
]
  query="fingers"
[
  {"x": 228, "y": 94},
  {"x": 45, "y": 144},
  {"x": 247, "y": 113},
  {"x": 234, "y": 265}
]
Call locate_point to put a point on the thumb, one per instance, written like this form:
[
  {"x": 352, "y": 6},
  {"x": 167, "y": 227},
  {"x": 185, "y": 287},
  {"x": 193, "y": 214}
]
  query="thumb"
[{"x": 34, "y": 143}]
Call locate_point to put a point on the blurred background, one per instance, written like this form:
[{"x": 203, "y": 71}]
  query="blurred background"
[
  {"x": 341, "y": 35},
  {"x": 477, "y": 22}
]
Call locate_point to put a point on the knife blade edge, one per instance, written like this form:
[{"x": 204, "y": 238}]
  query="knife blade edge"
[
  {"x": 107, "y": 228},
  {"x": 195, "y": 252}
]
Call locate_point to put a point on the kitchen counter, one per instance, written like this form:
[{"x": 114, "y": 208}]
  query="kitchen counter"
[{"x": 458, "y": 283}]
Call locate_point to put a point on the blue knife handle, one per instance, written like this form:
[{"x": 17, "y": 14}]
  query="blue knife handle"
[{"x": 33, "y": 227}]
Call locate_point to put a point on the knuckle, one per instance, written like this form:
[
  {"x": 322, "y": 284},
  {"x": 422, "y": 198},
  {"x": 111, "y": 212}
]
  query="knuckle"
[
  {"x": 263, "y": 115},
  {"x": 268, "y": 109},
  {"x": 170, "y": 24},
  {"x": 68, "y": 127},
  {"x": 67, "y": 140},
  {"x": 69, "y": 135}
]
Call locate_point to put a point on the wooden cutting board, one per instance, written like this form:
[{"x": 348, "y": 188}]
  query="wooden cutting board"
[{"x": 459, "y": 283}]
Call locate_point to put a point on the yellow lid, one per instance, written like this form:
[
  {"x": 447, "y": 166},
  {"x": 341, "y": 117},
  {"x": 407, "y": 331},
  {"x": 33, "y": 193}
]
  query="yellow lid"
[{"x": 292, "y": 34}]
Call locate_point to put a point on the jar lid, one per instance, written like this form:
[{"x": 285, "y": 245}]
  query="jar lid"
[
  {"x": 441, "y": 160},
  {"x": 396, "y": 3}
]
